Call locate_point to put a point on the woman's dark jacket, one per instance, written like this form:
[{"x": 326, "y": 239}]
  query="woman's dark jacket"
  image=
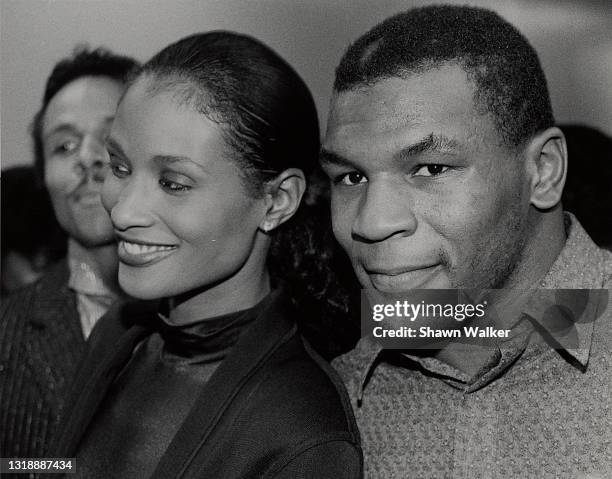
[{"x": 272, "y": 409}]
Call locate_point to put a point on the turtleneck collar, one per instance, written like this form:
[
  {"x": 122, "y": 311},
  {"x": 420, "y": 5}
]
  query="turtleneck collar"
[{"x": 207, "y": 340}]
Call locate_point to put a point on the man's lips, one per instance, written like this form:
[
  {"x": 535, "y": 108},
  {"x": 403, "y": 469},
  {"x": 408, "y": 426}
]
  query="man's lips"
[
  {"x": 140, "y": 253},
  {"x": 396, "y": 279},
  {"x": 88, "y": 198}
]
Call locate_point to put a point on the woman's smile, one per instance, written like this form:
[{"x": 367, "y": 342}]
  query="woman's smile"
[{"x": 143, "y": 254}]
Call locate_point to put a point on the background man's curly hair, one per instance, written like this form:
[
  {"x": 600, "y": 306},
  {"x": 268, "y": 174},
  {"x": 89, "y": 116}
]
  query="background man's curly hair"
[
  {"x": 509, "y": 81},
  {"x": 268, "y": 117},
  {"x": 83, "y": 62}
]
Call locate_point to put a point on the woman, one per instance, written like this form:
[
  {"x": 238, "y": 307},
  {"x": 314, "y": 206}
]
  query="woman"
[{"x": 209, "y": 151}]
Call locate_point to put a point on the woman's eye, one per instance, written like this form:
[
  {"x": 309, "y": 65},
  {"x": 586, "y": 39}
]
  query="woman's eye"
[
  {"x": 117, "y": 167},
  {"x": 66, "y": 147},
  {"x": 120, "y": 171},
  {"x": 173, "y": 186},
  {"x": 351, "y": 179},
  {"x": 430, "y": 170}
]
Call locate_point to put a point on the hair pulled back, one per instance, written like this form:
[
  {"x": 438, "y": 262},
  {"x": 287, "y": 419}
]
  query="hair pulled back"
[{"x": 269, "y": 119}]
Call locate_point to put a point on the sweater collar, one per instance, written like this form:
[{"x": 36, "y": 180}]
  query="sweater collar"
[{"x": 580, "y": 264}]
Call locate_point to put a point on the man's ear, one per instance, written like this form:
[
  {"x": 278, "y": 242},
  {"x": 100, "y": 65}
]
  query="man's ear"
[
  {"x": 284, "y": 194},
  {"x": 546, "y": 156}
]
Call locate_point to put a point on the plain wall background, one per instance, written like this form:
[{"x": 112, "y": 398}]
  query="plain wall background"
[{"x": 573, "y": 38}]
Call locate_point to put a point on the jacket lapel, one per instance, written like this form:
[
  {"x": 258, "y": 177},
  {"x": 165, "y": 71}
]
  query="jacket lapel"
[
  {"x": 109, "y": 348},
  {"x": 269, "y": 331},
  {"x": 56, "y": 333}
]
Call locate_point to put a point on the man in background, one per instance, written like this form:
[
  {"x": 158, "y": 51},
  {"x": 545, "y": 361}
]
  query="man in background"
[
  {"x": 447, "y": 172},
  {"x": 43, "y": 327}
]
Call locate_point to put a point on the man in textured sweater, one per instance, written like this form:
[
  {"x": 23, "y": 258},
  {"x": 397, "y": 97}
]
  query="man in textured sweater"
[{"x": 447, "y": 172}]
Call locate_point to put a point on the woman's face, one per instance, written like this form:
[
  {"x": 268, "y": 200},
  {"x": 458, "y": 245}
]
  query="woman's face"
[{"x": 179, "y": 208}]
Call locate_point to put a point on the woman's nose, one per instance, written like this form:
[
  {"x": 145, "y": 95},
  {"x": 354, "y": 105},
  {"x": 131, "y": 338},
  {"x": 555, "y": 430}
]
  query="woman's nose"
[{"x": 131, "y": 205}]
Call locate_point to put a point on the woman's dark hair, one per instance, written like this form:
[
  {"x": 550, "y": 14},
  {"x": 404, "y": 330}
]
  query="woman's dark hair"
[
  {"x": 82, "y": 63},
  {"x": 269, "y": 119},
  {"x": 265, "y": 109}
]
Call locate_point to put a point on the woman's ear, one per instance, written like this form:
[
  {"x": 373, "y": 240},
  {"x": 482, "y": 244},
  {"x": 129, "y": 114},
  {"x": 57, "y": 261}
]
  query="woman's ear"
[
  {"x": 284, "y": 194},
  {"x": 546, "y": 156}
]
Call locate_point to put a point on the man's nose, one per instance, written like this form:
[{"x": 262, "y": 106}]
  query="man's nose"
[
  {"x": 385, "y": 210},
  {"x": 93, "y": 158}
]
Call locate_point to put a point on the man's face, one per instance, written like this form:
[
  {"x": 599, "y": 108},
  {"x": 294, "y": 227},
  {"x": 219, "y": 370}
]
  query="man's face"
[
  {"x": 424, "y": 195},
  {"x": 75, "y": 126}
]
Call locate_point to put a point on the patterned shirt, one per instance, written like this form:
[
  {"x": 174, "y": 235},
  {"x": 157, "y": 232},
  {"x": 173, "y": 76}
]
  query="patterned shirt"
[{"x": 532, "y": 410}]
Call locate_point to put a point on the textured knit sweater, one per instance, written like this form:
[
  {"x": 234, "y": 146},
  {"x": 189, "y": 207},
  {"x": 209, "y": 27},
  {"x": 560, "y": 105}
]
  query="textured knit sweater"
[{"x": 536, "y": 410}]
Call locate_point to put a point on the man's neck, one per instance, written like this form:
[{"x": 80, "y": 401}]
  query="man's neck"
[
  {"x": 547, "y": 238},
  {"x": 103, "y": 259}
]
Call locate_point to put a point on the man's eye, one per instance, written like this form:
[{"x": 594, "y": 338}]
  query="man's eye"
[
  {"x": 66, "y": 147},
  {"x": 173, "y": 186},
  {"x": 430, "y": 170},
  {"x": 351, "y": 179}
]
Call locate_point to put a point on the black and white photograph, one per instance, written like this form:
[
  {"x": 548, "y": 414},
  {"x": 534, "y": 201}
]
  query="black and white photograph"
[{"x": 289, "y": 239}]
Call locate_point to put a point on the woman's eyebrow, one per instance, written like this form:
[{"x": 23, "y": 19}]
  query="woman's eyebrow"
[
  {"x": 115, "y": 146},
  {"x": 164, "y": 160}
]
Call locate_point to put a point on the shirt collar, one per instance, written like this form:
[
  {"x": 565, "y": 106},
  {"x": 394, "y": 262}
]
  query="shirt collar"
[{"x": 581, "y": 264}]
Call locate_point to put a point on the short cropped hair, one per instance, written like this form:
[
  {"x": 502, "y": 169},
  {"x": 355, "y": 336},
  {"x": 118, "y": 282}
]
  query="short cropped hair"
[
  {"x": 83, "y": 62},
  {"x": 503, "y": 66}
]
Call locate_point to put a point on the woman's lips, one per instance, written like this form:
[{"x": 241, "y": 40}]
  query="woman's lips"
[
  {"x": 143, "y": 254},
  {"x": 398, "y": 280}
]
